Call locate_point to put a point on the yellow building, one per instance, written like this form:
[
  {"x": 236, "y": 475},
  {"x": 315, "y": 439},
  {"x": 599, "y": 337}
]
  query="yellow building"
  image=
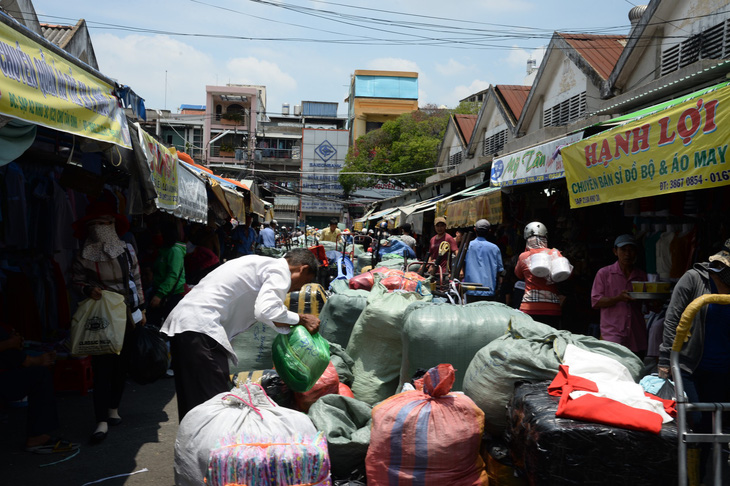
[{"x": 378, "y": 96}]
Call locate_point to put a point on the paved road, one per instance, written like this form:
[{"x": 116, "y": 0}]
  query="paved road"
[{"x": 145, "y": 439}]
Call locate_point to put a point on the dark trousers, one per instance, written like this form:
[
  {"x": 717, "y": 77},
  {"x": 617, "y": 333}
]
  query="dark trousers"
[
  {"x": 201, "y": 369},
  {"x": 553, "y": 321},
  {"x": 35, "y": 382},
  {"x": 110, "y": 374},
  {"x": 480, "y": 298}
]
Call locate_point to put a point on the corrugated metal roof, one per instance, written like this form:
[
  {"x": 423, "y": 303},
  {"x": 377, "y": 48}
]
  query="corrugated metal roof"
[
  {"x": 466, "y": 124},
  {"x": 58, "y": 34},
  {"x": 601, "y": 51},
  {"x": 515, "y": 96}
]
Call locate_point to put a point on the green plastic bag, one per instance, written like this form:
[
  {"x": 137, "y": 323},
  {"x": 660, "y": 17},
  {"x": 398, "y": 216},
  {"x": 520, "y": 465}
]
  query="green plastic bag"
[{"x": 300, "y": 358}]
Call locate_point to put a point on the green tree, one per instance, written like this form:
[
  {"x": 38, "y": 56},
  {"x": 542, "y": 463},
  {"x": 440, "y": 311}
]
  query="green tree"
[{"x": 408, "y": 143}]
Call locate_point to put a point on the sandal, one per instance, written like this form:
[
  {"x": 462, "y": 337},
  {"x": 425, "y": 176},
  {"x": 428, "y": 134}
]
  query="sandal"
[{"x": 53, "y": 446}]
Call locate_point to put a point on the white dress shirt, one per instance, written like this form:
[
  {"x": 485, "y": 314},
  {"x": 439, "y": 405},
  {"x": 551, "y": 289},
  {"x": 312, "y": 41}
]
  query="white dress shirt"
[{"x": 232, "y": 298}]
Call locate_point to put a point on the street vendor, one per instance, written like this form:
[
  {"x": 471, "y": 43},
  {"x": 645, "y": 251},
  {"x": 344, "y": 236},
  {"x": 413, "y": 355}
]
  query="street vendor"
[
  {"x": 331, "y": 233},
  {"x": 228, "y": 301},
  {"x": 440, "y": 236},
  {"x": 541, "y": 299},
  {"x": 621, "y": 318}
]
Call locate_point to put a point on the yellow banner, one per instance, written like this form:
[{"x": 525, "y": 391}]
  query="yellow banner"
[
  {"x": 681, "y": 148},
  {"x": 41, "y": 87},
  {"x": 467, "y": 212},
  {"x": 163, "y": 168}
]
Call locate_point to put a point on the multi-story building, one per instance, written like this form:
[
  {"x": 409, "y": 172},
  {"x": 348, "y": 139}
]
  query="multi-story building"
[
  {"x": 231, "y": 116},
  {"x": 378, "y": 96},
  {"x": 278, "y": 168},
  {"x": 183, "y": 131}
]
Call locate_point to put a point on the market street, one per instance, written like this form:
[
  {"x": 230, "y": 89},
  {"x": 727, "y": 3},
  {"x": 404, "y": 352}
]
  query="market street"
[{"x": 145, "y": 439}]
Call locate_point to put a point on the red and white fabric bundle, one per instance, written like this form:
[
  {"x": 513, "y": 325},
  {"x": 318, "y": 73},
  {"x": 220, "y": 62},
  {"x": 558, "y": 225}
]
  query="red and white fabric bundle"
[{"x": 599, "y": 389}]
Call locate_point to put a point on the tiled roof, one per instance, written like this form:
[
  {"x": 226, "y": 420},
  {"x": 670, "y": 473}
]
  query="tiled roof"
[
  {"x": 58, "y": 34},
  {"x": 466, "y": 124},
  {"x": 515, "y": 96},
  {"x": 601, "y": 51}
]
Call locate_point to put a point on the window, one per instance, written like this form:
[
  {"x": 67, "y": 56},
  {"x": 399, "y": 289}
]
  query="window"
[
  {"x": 370, "y": 126},
  {"x": 454, "y": 160},
  {"x": 494, "y": 143},
  {"x": 169, "y": 140},
  {"x": 711, "y": 43},
  {"x": 565, "y": 112}
]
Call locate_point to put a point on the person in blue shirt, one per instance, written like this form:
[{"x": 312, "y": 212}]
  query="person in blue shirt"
[
  {"x": 483, "y": 264},
  {"x": 244, "y": 237},
  {"x": 267, "y": 236}
]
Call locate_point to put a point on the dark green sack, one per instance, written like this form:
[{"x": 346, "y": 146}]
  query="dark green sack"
[
  {"x": 346, "y": 423},
  {"x": 340, "y": 313},
  {"x": 525, "y": 354},
  {"x": 447, "y": 333},
  {"x": 253, "y": 348}
]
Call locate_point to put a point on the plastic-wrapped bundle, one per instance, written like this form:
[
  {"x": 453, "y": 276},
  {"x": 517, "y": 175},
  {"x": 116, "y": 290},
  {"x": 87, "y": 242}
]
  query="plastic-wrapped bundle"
[
  {"x": 272, "y": 384},
  {"x": 262, "y": 461},
  {"x": 253, "y": 348},
  {"x": 438, "y": 333},
  {"x": 392, "y": 279},
  {"x": 300, "y": 358},
  {"x": 429, "y": 437},
  {"x": 561, "y": 451},
  {"x": 375, "y": 344},
  {"x": 244, "y": 410},
  {"x": 339, "y": 314},
  {"x": 346, "y": 423},
  {"x": 528, "y": 353}
]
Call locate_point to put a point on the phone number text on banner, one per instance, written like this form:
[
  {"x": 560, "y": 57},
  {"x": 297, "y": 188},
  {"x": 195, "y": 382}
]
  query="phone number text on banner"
[
  {"x": 40, "y": 87},
  {"x": 679, "y": 149}
]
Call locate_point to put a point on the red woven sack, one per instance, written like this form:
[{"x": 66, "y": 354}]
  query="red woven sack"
[
  {"x": 328, "y": 384},
  {"x": 428, "y": 437}
]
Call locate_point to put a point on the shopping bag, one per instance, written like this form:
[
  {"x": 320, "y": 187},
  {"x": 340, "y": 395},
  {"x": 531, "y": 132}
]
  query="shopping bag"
[
  {"x": 98, "y": 326},
  {"x": 148, "y": 360},
  {"x": 300, "y": 358}
]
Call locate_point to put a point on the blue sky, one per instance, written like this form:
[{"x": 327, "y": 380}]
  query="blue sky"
[{"x": 302, "y": 50}]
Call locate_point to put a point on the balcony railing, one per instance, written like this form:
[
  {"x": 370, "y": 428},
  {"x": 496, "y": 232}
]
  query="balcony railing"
[{"x": 271, "y": 153}]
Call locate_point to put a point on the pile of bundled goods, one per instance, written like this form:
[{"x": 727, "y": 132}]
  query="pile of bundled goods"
[
  {"x": 391, "y": 279},
  {"x": 494, "y": 376}
]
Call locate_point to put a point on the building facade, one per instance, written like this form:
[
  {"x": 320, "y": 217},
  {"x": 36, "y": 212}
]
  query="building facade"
[{"x": 378, "y": 96}]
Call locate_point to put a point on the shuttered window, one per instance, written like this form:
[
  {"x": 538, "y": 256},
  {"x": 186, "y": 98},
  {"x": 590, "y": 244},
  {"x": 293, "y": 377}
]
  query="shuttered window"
[
  {"x": 711, "y": 43},
  {"x": 565, "y": 112},
  {"x": 494, "y": 143}
]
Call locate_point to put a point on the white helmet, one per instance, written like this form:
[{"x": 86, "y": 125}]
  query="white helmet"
[{"x": 535, "y": 228}]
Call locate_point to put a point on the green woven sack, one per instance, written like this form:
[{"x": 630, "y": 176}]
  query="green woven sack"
[{"x": 300, "y": 358}]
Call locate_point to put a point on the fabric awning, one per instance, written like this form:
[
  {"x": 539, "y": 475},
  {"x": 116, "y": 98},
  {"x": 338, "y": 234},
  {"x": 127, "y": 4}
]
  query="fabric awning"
[
  {"x": 483, "y": 204},
  {"x": 676, "y": 147},
  {"x": 381, "y": 214},
  {"x": 365, "y": 217},
  {"x": 193, "y": 196},
  {"x": 44, "y": 85},
  {"x": 535, "y": 164}
]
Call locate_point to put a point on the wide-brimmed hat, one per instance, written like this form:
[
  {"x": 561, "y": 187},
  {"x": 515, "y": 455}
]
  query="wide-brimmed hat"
[
  {"x": 438, "y": 220},
  {"x": 723, "y": 256},
  {"x": 97, "y": 210}
]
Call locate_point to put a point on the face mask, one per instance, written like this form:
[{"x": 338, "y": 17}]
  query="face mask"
[{"x": 724, "y": 276}]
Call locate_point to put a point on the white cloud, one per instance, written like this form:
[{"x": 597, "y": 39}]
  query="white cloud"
[
  {"x": 250, "y": 70},
  {"x": 144, "y": 63},
  {"x": 461, "y": 92},
  {"x": 393, "y": 64},
  {"x": 451, "y": 68}
]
